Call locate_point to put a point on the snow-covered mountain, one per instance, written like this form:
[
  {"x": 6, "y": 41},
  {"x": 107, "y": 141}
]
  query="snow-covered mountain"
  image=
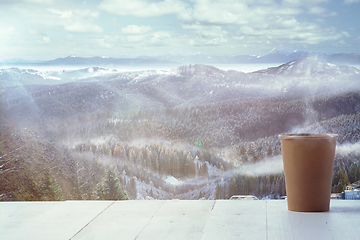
[
  {"x": 282, "y": 54},
  {"x": 203, "y": 79},
  {"x": 19, "y": 76},
  {"x": 306, "y": 67},
  {"x": 309, "y": 77},
  {"x": 276, "y": 55},
  {"x": 100, "y": 61},
  {"x": 193, "y": 117}
]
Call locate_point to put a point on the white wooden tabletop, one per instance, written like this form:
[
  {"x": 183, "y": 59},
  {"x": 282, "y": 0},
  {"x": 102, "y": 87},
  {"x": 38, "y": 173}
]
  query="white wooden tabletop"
[{"x": 176, "y": 219}]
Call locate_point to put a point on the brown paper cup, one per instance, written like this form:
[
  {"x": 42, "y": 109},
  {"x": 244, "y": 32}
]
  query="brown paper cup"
[{"x": 308, "y": 166}]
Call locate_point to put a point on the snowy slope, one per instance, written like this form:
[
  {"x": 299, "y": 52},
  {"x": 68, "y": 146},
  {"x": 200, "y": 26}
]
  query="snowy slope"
[{"x": 310, "y": 67}]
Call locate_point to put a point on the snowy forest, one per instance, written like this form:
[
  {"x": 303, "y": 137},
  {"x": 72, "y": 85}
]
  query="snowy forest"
[{"x": 195, "y": 132}]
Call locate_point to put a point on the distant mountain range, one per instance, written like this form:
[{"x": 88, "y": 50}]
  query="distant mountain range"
[
  {"x": 277, "y": 55},
  {"x": 311, "y": 68},
  {"x": 192, "y": 132}
]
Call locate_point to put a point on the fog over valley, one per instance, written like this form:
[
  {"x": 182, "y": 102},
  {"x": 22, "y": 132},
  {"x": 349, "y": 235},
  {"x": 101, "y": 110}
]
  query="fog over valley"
[{"x": 181, "y": 131}]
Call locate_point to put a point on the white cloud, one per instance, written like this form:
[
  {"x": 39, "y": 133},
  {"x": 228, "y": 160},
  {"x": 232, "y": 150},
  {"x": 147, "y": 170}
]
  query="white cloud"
[
  {"x": 46, "y": 39},
  {"x": 141, "y": 8},
  {"x": 317, "y": 10},
  {"x": 6, "y": 30},
  {"x": 62, "y": 14},
  {"x": 227, "y": 25},
  {"x": 303, "y": 2},
  {"x": 237, "y": 12},
  {"x": 340, "y": 43},
  {"x": 40, "y": 1},
  {"x": 206, "y": 21},
  {"x": 139, "y": 37},
  {"x": 206, "y": 35},
  {"x": 266, "y": 23},
  {"x": 161, "y": 38},
  {"x": 135, "y": 38},
  {"x": 134, "y": 29},
  {"x": 83, "y": 27},
  {"x": 220, "y": 12},
  {"x": 351, "y": 1},
  {"x": 7, "y": 36},
  {"x": 44, "y": 2},
  {"x": 75, "y": 21},
  {"x": 105, "y": 42},
  {"x": 75, "y": 14},
  {"x": 346, "y": 34}
]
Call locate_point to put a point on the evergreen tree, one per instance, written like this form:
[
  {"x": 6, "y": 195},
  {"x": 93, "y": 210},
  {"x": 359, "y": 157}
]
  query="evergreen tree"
[
  {"x": 201, "y": 195},
  {"x": 154, "y": 159},
  {"x": 204, "y": 170},
  {"x": 344, "y": 180},
  {"x": 110, "y": 188},
  {"x": 242, "y": 150},
  {"x": 50, "y": 189},
  {"x": 132, "y": 188},
  {"x": 231, "y": 187},
  {"x": 218, "y": 191},
  {"x": 354, "y": 172},
  {"x": 190, "y": 168},
  {"x": 162, "y": 162}
]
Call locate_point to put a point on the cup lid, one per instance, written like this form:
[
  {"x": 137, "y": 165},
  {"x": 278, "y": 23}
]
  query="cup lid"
[{"x": 307, "y": 135}]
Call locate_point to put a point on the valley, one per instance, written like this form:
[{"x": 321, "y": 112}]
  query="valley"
[{"x": 193, "y": 132}]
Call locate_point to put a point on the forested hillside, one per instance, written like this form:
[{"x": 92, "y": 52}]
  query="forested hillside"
[{"x": 187, "y": 135}]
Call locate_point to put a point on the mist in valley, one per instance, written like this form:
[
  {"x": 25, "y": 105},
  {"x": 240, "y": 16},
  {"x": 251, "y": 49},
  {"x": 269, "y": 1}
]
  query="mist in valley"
[{"x": 188, "y": 132}]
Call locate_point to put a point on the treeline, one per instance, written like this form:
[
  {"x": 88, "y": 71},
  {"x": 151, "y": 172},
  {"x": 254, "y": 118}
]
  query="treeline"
[
  {"x": 158, "y": 159},
  {"x": 271, "y": 186},
  {"x": 220, "y": 125},
  {"x": 346, "y": 171},
  {"x": 33, "y": 169}
]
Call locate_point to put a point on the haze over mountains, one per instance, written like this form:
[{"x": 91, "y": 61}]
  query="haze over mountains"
[
  {"x": 192, "y": 132},
  {"x": 277, "y": 55}
]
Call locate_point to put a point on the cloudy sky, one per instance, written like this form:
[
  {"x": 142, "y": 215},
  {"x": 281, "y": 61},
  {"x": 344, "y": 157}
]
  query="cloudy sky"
[{"x": 47, "y": 29}]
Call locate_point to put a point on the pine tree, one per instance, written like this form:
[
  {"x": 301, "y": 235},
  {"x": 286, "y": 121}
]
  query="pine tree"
[
  {"x": 242, "y": 150},
  {"x": 132, "y": 188},
  {"x": 190, "y": 168},
  {"x": 354, "y": 172},
  {"x": 218, "y": 191},
  {"x": 154, "y": 160},
  {"x": 110, "y": 188},
  {"x": 201, "y": 195},
  {"x": 204, "y": 170},
  {"x": 231, "y": 187},
  {"x": 344, "y": 179},
  {"x": 162, "y": 162},
  {"x": 50, "y": 189}
]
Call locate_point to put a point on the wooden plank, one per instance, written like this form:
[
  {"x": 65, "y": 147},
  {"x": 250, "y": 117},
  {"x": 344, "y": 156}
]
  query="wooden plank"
[
  {"x": 61, "y": 222},
  {"x": 278, "y": 224},
  {"x": 244, "y": 219},
  {"x": 220, "y": 219},
  {"x": 338, "y": 223},
  {"x": 343, "y": 219},
  {"x": 176, "y": 219},
  {"x": 122, "y": 220},
  {"x": 15, "y": 215}
]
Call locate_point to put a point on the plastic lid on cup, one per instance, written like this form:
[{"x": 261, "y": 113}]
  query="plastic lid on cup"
[{"x": 307, "y": 135}]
